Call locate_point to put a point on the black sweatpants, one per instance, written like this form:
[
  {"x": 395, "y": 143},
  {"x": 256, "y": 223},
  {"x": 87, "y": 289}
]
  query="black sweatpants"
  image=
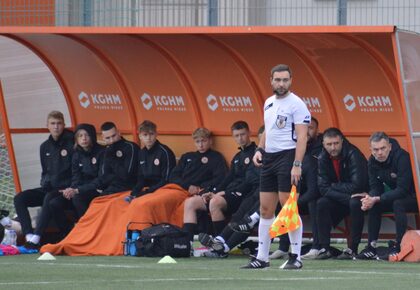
[
  {"x": 82, "y": 201},
  {"x": 53, "y": 207},
  {"x": 330, "y": 213},
  {"x": 399, "y": 207},
  {"x": 23, "y": 200}
]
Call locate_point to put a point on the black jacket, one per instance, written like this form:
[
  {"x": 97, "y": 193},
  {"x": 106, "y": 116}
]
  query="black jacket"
[
  {"x": 236, "y": 178},
  {"x": 354, "y": 174},
  {"x": 86, "y": 164},
  {"x": 395, "y": 172},
  {"x": 200, "y": 169},
  {"x": 120, "y": 166},
  {"x": 309, "y": 187},
  {"x": 314, "y": 146},
  {"x": 155, "y": 166},
  {"x": 56, "y": 161}
]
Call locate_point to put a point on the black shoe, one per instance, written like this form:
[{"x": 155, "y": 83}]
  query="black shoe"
[
  {"x": 392, "y": 250},
  {"x": 324, "y": 254},
  {"x": 32, "y": 246},
  {"x": 210, "y": 242},
  {"x": 347, "y": 254},
  {"x": 292, "y": 263},
  {"x": 368, "y": 253},
  {"x": 243, "y": 226},
  {"x": 256, "y": 264}
]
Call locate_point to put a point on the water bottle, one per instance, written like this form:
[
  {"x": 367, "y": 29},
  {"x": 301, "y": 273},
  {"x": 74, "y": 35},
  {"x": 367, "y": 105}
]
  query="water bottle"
[{"x": 12, "y": 237}]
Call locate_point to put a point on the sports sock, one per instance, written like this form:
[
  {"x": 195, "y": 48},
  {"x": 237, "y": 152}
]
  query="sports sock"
[
  {"x": 28, "y": 237},
  {"x": 190, "y": 229},
  {"x": 35, "y": 239},
  {"x": 296, "y": 239},
  {"x": 255, "y": 217},
  {"x": 264, "y": 240}
]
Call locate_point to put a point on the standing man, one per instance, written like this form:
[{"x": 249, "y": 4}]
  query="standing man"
[
  {"x": 391, "y": 189},
  {"x": 119, "y": 169},
  {"x": 55, "y": 154},
  {"x": 280, "y": 153}
]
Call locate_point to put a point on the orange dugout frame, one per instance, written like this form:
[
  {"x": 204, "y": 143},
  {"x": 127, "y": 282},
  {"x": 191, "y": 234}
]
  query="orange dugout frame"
[{"x": 360, "y": 79}]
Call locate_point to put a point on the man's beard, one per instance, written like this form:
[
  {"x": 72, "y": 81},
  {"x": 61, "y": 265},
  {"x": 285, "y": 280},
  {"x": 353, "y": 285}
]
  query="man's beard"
[{"x": 280, "y": 93}]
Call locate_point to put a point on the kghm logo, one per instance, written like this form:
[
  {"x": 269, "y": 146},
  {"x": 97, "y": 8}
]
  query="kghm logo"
[
  {"x": 368, "y": 103},
  {"x": 163, "y": 103},
  {"x": 313, "y": 104},
  {"x": 100, "y": 101},
  {"x": 230, "y": 103}
]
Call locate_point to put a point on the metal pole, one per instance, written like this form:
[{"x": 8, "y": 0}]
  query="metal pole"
[
  {"x": 341, "y": 12},
  {"x": 213, "y": 12},
  {"x": 87, "y": 13}
]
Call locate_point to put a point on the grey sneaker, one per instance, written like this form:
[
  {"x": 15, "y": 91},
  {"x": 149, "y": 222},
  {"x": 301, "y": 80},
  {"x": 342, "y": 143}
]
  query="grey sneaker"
[
  {"x": 347, "y": 254},
  {"x": 311, "y": 255},
  {"x": 208, "y": 241},
  {"x": 278, "y": 254}
]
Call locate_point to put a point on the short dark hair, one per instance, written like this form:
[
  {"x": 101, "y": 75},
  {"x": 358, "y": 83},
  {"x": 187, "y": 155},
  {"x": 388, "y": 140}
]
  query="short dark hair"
[
  {"x": 315, "y": 120},
  {"x": 333, "y": 132},
  {"x": 378, "y": 136},
  {"x": 238, "y": 125},
  {"x": 107, "y": 126},
  {"x": 280, "y": 68},
  {"x": 261, "y": 130},
  {"x": 148, "y": 127}
]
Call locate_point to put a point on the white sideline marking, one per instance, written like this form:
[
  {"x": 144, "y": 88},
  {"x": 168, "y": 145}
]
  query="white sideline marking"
[{"x": 179, "y": 279}]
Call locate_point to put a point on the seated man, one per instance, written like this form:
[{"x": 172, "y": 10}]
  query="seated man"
[
  {"x": 391, "y": 189},
  {"x": 225, "y": 197},
  {"x": 87, "y": 159},
  {"x": 120, "y": 167},
  {"x": 102, "y": 229},
  {"x": 56, "y": 154},
  {"x": 342, "y": 176},
  {"x": 156, "y": 162}
]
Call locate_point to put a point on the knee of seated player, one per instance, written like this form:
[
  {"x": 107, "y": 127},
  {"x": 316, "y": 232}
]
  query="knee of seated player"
[
  {"x": 194, "y": 203},
  {"x": 217, "y": 203}
]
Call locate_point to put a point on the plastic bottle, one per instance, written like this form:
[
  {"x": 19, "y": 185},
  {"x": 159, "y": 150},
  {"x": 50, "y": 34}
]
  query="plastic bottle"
[{"x": 12, "y": 237}]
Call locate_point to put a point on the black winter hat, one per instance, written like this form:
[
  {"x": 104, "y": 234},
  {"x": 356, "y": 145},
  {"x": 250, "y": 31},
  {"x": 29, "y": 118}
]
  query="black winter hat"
[{"x": 90, "y": 129}]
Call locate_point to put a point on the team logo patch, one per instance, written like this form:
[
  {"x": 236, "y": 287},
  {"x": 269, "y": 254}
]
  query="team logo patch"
[
  {"x": 64, "y": 152},
  {"x": 80, "y": 165},
  {"x": 246, "y": 161},
  {"x": 393, "y": 175},
  {"x": 156, "y": 162},
  {"x": 47, "y": 154},
  {"x": 204, "y": 160},
  {"x": 119, "y": 153},
  {"x": 94, "y": 160},
  {"x": 281, "y": 121}
]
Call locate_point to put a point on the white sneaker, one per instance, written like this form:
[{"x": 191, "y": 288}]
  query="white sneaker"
[
  {"x": 312, "y": 254},
  {"x": 278, "y": 254}
]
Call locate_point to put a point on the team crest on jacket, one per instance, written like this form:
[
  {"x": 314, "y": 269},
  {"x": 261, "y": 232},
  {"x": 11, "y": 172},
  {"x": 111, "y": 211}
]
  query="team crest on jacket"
[
  {"x": 94, "y": 160},
  {"x": 64, "y": 152},
  {"x": 393, "y": 175},
  {"x": 156, "y": 162},
  {"x": 204, "y": 160},
  {"x": 119, "y": 153},
  {"x": 246, "y": 161},
  {"x": 281, "y": 121}
]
